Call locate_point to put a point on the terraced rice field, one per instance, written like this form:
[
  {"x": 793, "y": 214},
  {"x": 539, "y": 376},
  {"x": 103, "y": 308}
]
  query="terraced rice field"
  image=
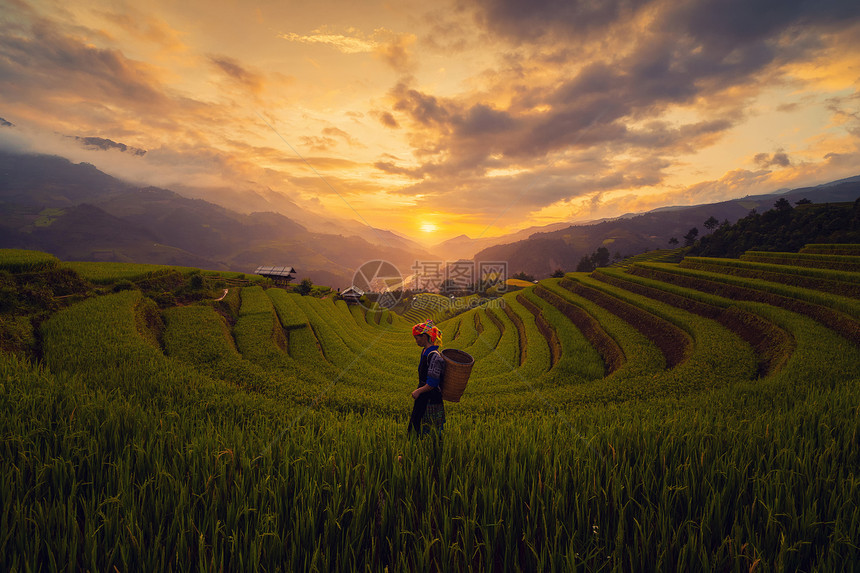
[{"x": 652, "y": 416}]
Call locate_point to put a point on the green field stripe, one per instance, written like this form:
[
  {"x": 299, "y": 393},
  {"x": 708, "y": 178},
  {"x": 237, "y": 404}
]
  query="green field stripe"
[
  {"x": 98, "y": 340},
  {"x": 576, "y": 319},
  {"x": 502, "y": 358},
  {"x": 537, "y": 359},
  {"x": 199, "y": 336},
  {"x": 840, "y": 283},
  {"x": 578, "y": 357},
  {"x": 500, "y": 370},
  {"x": 302, "y": 344},
  {"x": 660, "y": 326},
  {"x": 466, "y": 332},
  {"x": 350, "y": 351},
  {"x": 772, "y": 344},
  {"x": 451, "y": 329},
  {"x": 831, "y": 249},
  {"x": 640, "y": 373},
  {"x": 262, "y": 340},
  {"x": 289, "y": 313},
  {"x": 383, "y": 333},
  {"x": 24, "y": 261},
  {"x": 842, "y": 304},
  {"x": 487, "y": 338},
  {"x": 715, "y": 348},
  {"x": 108, "y": 273},
  {"x": 827, "y": 274},
  {"x": 838, "y": 313},
  {"x": 834, "y": 262},
  {"x": 521, "y": 338},
  {"x": 546, "y": 330}
]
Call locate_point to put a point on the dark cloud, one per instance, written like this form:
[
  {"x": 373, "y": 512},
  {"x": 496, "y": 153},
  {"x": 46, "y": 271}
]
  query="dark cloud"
[
  {"x": 43, "y": 60},
  {"x": 390, "y": 167},
  {"x": 481, "y": 119},
  {"x": 4, "y": 123},
  {"x": 724, "y": 22},
  {"x": 386, "y": 119},
  {"x": 613, "y": 102},
  {"x": 235, "y": 71},
  {"x": 779, "y": 159},
  {"x": 422, "y": 108},
  {"x": 533, "y": 20},
  {"x": 108, "y": 144}
]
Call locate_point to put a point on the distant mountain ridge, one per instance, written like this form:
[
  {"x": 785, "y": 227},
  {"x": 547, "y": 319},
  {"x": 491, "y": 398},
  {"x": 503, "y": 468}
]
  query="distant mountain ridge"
[
  {"x": 542, "y": 253},
  {"x": 77, "y": 212}
]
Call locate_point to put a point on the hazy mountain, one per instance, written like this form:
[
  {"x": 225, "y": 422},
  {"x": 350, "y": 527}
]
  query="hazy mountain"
[
  {"x": 464, "y": 247},
  {"x": 542, "y": 253},
  {"x": 79, "y": 213},
  {"x": 250, "y": 200}
]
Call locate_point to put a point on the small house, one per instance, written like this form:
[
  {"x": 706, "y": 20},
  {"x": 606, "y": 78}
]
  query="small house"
[
  {"x": 352, "y": 294},
  {"x": 280, "y": 275}
]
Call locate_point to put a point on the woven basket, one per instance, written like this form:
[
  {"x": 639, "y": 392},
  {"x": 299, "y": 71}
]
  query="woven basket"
[{"x": 458, "y": 367}]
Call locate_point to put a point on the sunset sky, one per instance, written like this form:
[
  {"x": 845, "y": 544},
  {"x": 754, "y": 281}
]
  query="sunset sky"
[{"x": 434, "y": 119}]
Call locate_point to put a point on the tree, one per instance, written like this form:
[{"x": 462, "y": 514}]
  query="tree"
[
  {"x": 711, "y": 223},
  {"x": 523, "y": 277},
  {"x": 803, "y": 201},
  {"x": 305, "y": 287},
  {"x": 600, "y": 257},
  {"x": 673, "y": 241},
  {"x": 585, "y": 265},
  {"x": 782, "y": 205},
  {"x": 558, "y": 274},
  {"x": 690, "y": 237}
]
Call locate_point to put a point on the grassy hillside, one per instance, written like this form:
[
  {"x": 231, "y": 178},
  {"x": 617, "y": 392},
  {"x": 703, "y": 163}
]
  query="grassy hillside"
[{"x": 652, "y": 416}]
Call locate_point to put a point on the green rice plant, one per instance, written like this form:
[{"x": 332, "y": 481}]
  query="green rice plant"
[
  {"x": 24, "y": 261},
  {"x": 191, "y": 491},
  {"x": 109, "y": 273},
  {"x": 198, "y": 336},
  {"x": 841, "y": 283},
  {"x": 466, "y": 332},
  {"x": 578, "y": 359},
  {"x": 668, "y": 336},
  {"x": 519, "y": 359},
  {"x": 835, "y": 262},
  {"x": 831, "y": 249},
  {"x": 715, "y": 349},
  {"x": 837, "y": 312},
  {"x": 488, "y": 332},
  {"x": 772, "y": 344},
  {"x": 576, "y": 318},
  {"x": 723, "y": 265},
  {"x": 117, "y": 457}
]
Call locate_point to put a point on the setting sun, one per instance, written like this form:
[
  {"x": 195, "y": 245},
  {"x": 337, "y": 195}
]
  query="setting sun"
[{"x": 428, "y": 227}]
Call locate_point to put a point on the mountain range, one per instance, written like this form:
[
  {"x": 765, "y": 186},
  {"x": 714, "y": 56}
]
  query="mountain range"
[
  {"x": 543, "y": 252},
  {"x": 77, "y": 212}
]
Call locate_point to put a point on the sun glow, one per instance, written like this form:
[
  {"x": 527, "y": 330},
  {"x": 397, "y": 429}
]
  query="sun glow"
[{"x": 428, "y": 227}]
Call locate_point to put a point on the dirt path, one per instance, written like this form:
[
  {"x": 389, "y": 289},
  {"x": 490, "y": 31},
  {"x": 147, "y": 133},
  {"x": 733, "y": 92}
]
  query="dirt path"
[{"x": 222, "y": 295}]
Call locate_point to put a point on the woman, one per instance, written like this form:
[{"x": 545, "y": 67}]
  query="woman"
[{"x": 428, "y": 412}]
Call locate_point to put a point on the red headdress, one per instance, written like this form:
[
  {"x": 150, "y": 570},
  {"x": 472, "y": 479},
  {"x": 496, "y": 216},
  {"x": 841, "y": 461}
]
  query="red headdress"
[{"x": 429, "y": 329}]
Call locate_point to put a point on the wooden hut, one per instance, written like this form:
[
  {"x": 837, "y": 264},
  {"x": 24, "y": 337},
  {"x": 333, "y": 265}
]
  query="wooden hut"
[
  {"x": 280, "y": 275},
  {"x": 352, "y": 294}
]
